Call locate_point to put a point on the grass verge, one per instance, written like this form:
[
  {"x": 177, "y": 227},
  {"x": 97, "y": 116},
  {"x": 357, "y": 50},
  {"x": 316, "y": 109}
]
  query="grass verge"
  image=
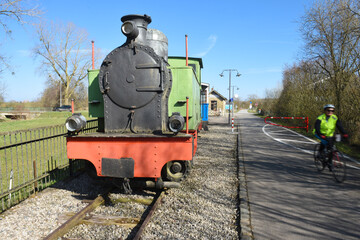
[{"x": 43, "y": 120}]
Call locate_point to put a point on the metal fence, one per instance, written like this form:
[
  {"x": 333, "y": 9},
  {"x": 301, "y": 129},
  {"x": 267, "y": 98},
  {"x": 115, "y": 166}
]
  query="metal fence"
[
  {"x": 32, "y": 160},
  {"x": 25, "y": 109}
]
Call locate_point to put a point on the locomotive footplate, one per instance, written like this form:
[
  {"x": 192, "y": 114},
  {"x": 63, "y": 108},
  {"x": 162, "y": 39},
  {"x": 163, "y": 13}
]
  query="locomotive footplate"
[{"x": 129, "y": 155}]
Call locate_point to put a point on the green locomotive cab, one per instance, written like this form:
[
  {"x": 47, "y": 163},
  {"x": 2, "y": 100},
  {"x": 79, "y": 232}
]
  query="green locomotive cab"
[{"x": 186, "y": 83}]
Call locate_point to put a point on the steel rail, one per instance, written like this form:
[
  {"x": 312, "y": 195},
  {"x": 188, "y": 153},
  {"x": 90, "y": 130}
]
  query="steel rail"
[
  {"x": 155, "y": 203},
  {"x": 76, "y": 219},
  {"x": 80, "y": 216}
]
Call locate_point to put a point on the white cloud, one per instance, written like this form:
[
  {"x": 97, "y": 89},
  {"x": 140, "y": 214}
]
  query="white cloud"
[
  {"x": 212, "y": 41},
  {"x": 24, "y": 53}
]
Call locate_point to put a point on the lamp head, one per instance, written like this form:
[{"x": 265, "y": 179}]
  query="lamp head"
[
  {"x": 238, "y": 74},
  {"x": 221, "y": 75}
]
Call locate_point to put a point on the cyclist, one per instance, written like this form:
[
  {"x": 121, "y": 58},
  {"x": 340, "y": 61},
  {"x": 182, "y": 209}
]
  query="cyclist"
[{"x": 325, "y": 126}]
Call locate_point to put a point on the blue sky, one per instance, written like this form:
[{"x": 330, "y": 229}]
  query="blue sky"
[{"x": 258, "y": 38}]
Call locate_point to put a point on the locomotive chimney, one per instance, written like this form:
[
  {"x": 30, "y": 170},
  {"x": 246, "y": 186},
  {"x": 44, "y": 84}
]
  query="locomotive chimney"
[{"x": 134, "y": 27}]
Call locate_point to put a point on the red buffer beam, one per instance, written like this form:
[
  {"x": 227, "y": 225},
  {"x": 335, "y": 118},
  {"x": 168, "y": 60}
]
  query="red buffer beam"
[{"x": 306, "y": 121}]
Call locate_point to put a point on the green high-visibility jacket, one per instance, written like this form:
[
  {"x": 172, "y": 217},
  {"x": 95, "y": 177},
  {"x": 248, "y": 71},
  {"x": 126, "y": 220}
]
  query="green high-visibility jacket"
[{"x": 327, "y": 127}]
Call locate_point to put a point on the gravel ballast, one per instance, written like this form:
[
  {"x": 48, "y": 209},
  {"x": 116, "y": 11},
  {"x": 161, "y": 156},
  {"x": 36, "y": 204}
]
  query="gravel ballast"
[{"x": 204, "y": 207}]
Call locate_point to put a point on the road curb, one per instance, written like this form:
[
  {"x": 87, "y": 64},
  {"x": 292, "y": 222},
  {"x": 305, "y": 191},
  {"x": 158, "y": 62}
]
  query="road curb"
[{"x": 246, "y": 232}]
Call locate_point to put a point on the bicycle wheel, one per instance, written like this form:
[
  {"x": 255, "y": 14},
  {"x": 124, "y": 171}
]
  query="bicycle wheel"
[
  {"x": 317, "y": 158},
  {"x": 338, "y": 166}
]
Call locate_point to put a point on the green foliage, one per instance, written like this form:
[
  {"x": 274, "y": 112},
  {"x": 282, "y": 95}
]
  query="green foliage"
[
  {"x": 50, "y": 97},
  {"x": 304, "y": 94}
]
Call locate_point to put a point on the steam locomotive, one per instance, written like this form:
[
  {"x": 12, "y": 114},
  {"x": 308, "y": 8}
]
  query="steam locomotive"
[{"x": 148, "y": 110}]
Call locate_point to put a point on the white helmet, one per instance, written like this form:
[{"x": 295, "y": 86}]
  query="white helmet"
[{"x": 329, "y": 106}]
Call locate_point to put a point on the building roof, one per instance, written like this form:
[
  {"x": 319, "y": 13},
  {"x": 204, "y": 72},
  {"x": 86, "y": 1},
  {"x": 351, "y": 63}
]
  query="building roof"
[
  {"x": 205, "y": 86},
  {"x": 218, "y": 95}
]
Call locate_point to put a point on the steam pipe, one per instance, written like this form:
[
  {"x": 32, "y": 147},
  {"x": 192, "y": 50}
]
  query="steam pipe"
[
  {"x": 187, "y": 115},
  {"x": 134, "y": 27},
  {"x": 186, "y": 43},
  {"x": 72, "y": 106},
  {"x": 93, "y": 58}
]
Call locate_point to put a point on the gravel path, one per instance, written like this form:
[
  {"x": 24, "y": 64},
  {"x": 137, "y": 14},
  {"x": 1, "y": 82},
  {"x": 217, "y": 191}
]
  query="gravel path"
[{"x": 205, "y": 207}]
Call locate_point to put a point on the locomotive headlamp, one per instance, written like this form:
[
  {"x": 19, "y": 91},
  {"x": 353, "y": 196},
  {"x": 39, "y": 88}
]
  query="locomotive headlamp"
[
  {"x": 129, "y": 29},
  {"x": 176, "y": 122},
  {"x": 75, "y": 123}
]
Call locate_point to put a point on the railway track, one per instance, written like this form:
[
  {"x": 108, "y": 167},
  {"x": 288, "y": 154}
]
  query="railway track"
[
  {"x": 88, "y": 216},
  {"x": 205, "y": 206}
]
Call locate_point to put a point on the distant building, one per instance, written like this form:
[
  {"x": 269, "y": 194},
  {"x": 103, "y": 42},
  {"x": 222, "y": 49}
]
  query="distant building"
[
  {"x": 205, "y": 92},
  {"x": 217, "y": 103}
]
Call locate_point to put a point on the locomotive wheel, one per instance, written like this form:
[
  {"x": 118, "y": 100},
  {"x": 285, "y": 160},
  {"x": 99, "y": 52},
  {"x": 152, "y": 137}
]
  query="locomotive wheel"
[{"x": 176, "y": 171}]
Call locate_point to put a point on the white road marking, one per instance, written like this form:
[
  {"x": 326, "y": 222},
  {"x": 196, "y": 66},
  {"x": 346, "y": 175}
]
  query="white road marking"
[
  {"x": 311, "y": 140},
  {"x": 290, "y": 140},
  {"x": 263, "y": 129},
  {"x": 283, "y": 141},
  {"x": 279, "y": 134}
]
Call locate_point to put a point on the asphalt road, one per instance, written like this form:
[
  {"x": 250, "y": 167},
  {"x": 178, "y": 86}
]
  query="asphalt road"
[{"x": 288, "y": 197}]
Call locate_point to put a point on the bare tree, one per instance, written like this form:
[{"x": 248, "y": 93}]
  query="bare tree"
[
  {"x": 331, "y": 32},
  {"x": 21, "y": 11},
  {"x": 66, "y": 55},
  {"x": 330, "y": 72},
  {"x": 18, "y": 10},
  {"x": 50, "y": 95},
  {"x": 252, "y": 97},
  {"x": 2, "y": 92}
]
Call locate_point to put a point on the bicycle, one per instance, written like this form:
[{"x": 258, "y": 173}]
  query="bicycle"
[{"x": 331, "y": 158}]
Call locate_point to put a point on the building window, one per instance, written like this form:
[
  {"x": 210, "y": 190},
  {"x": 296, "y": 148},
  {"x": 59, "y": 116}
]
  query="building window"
[{"x": 214, "y": 105}]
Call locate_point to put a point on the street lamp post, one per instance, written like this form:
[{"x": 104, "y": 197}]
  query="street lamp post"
[
  {"x": 233, "y": 95},
  {"x": 60, "y": 93},
  {"x": 238, "y": 75}
]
